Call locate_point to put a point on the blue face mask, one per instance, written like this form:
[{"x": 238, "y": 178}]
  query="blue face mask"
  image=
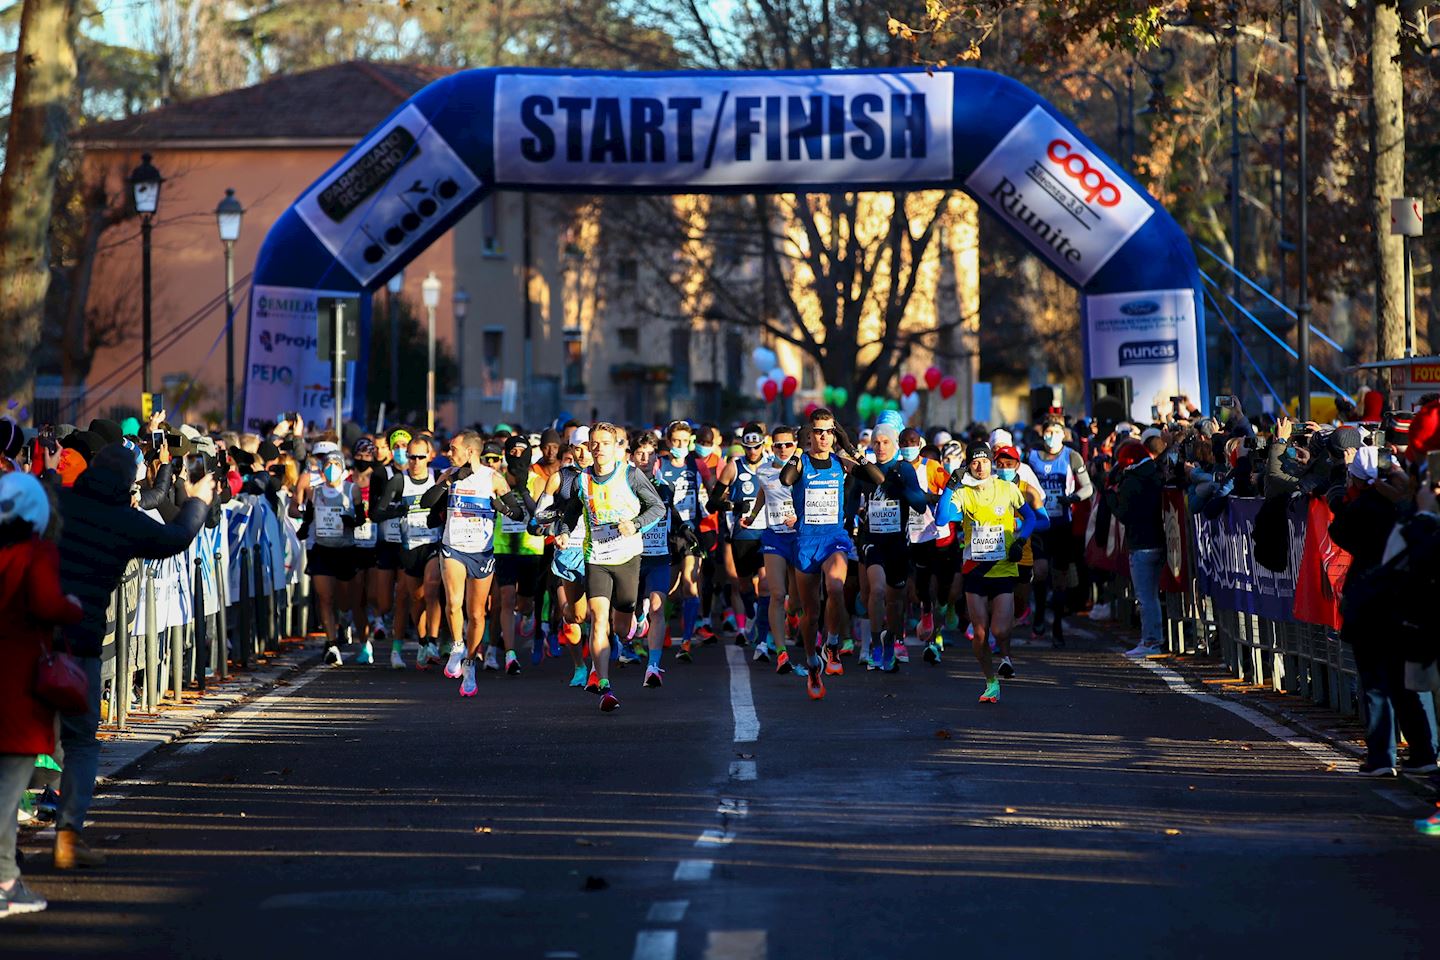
[
  {"x": 1006, "y": 473},
  {"x": 910, "y": 453},
  {"x": 334, "y": 472},
  {"x": 678, "y": 452},
  {"x": 402, "y": 457},
  {"x": 778, "y": 460},
  {"x": 1053, "y": 442}
]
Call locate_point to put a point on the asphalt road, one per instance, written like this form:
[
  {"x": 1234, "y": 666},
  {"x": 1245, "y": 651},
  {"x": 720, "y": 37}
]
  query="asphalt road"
[{"x": 360, "y": 812}]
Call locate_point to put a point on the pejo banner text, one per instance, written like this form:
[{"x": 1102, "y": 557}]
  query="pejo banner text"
[{"x": 705, "y": 130}]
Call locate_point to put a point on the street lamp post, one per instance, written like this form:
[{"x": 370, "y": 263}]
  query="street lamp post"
[
  {"x": 228, "y": 215},
  {"x": 145, "y": 183},
  {"x": 394, "y": 286},
  {"x": 460, "y": 305},
  {"x": 1302, "y": 307},
  {"x": 430, "y": 293}
]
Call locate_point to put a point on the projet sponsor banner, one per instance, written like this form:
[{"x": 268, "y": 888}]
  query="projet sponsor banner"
[
  {"x": 1225, "y": 567},
  {"x": 1046, "y": 184},
  {"x": 715, "y": 131},
  {"x": 1149, "y": 336},
  {"x": 389, "y": 191},
  {"x": 284, "y": 375}
]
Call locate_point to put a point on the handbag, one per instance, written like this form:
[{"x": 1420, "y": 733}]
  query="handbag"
[{"x": 61, "y": 683}]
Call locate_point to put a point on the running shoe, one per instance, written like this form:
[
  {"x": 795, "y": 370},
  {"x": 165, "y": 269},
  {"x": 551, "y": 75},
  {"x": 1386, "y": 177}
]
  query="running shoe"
[
  {"x": 1430, "y": 826},
  {"x": 641, "y": 651},
  {"x": 1145, "y": 648},
  {"x": 432, "y": 652},
  {"x": 814, "y": 682},
  {"x": 742, "y": 637},
  {"x": 939, "y": 640},
  {"x": 1368, "y": 769},
  {"x": 874, "y": 658},
  {"x": 1100, "y": 612},
  {"x": 833, "y": 666},
  {"x": 577, "y": 679},
  {"x": 684, "y": 655},
  {"x": 653, "y": 677},
  {"x": 608, "y": 700},
  {"x": 592, "y": 682},
  {"x": 422, "y": 656},
  {"x": 1037, "y": 629},
  {"x": 800, "y": 670},
  {"x": 467, "y": 672},
  {"x": 378, "y": 629},
  {"x": 952, "y": 618},
  {"x": 993, "y": 643},
  {"x": 925, "y": 629},
  {"x": 537, "y": 651},
  {"x": 932, "y": 653},
  {"x": 452, "y": 666},
  {"x": 847, "y": 648},
  {"x": 1023, "y": 619},
  {"x": 638, "y": 625},
  {"x": 782, "y": 662},
  {"x": 366, "y": 656},
  {"x": 627, "y": 654},
  {"x": 492, "y": 662},
  {"x": 397, "y": 662},
  {"x": 792, "y": 626},
  {"x": 512, "y": 663},
  {"x": 729, "y": 624},
  {"x": 992, "y": 691},
  {"x": 902, "y": 652},
  {"x": 706, "y": 635},
  {"x": 20, "y": 899},
  {"x": 332, "y": 656},
  {"x": 1007, "y": 669},
  {"x": 553, "y": 642},
  {"x": 762, "y": 653},
  {"x": 888, "y": 646}
]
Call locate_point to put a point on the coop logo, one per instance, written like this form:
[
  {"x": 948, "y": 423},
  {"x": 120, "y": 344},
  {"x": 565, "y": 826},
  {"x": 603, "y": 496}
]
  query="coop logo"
[
  {"x": 723, "y": 129},
  {"x": 1149, "y": 352},
  {"x": 303, "y": 341},
  {"x": 271, "y": 373},
  {"x": 1139, "y": 308},
  {"x": 1076, "y": 167}
]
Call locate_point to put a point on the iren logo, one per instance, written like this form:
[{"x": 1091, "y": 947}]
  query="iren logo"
[{"x": 1149, "y": 352}]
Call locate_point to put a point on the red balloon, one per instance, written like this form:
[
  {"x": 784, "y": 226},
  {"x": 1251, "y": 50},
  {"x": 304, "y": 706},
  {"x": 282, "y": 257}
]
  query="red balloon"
[
  {"x": 789, "y": 387},
  {"x": 907, "y": 384},
  {"x": 771, "y": 391},
  {"x": 811, "y": 408},
  {"x": 933, "y": 376},
  {"x": 948, "y": 386}
]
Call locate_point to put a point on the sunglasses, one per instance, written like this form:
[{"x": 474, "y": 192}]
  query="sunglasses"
[
  {"x": 491, "y": 458},
  {"x": 418, "y": 459},
  {"x": 823, "y": 431},
  {"x": 752, "y": 446},
  {"x": 783, "y": 445}
]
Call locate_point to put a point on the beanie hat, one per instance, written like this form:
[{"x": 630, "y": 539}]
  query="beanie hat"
[
  {"x": 107, "y": 430},
  {"x": 72, "y": 465},
  {"x": 22, "y": 496},
  {"x": 12, "y": 437},
  {"x": 111, "y": 473},
  {"x": 892, "y": 417},
  {"x": 886, "y": 430},
  {"x": 1345, "y": 438},
  {"x": 979, "y": 450}
]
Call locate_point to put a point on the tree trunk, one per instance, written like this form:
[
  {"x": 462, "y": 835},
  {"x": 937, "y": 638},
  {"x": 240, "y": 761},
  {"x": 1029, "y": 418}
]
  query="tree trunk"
[
  {"x": 39, "y": 128},
  {"x": 1387, "y": 123}
]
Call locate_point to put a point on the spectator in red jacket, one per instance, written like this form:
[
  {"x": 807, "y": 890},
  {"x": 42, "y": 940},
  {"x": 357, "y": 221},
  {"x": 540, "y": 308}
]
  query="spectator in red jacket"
[{"x": 31, "y": 606}]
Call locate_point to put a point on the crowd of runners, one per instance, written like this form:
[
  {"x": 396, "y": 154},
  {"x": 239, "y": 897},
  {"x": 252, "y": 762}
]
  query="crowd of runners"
[{"x": 603, "y": 547}]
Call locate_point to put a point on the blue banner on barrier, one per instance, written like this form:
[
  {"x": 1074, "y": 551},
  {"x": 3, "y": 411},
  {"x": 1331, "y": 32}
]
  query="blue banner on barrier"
[{"x": 1225, "y": 566}]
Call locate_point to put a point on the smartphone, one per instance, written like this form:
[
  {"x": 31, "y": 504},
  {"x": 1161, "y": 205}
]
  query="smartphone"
[
  {"x": 195, "y": 467},
  {"x": 1432, "y": 467},
  {"x": 1383, "y": 459},
  {"x": 1226, "y": 402},
  {"x": 157, "y": 440}
]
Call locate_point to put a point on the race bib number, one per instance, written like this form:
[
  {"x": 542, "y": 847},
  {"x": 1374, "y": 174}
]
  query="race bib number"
[
  {"x": 511, "y": 526},
  {"x": 987, "y": 542},
  {"x": 328, "y": 525},
  {"x": 822, "y": 505},
  {"x": 779, "y": 511},
  {"x": 1052, "y": 503},
  {"x": 657, "y": 540},
  {"x": 884, "y": 516},
  {"x": 604, "y": 532},
  {"x": 365, "y": 534},
  {"x": 417, "y": 527}
]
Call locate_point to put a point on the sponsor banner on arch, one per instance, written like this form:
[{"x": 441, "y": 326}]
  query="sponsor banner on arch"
[
  {"x": 1149, "y": 336},
  {"x": 700, "y": 130},
  {"x": 1059, "y": 195},
  {"x": 284, "y": 374}
]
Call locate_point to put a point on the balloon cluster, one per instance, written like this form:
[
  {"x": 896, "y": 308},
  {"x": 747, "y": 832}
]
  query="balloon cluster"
[{"x": 776, "y": 382}]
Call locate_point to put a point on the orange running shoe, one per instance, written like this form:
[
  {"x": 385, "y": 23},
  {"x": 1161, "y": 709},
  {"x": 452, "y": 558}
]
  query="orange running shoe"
[
  {"x": 592, "y": 683},
  {"x": 782, "y": 663},
  {"x": 814, "y": 684},
  {"x": 833, "y": 666},
  {"x": 570, "y": 633}
]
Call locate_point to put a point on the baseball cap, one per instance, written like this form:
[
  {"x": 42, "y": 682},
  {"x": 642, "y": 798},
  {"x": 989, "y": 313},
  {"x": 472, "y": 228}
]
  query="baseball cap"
[
  {"x": 581, "y": 435},
  {"x": 1007, "y": 451},
  {"x": 325, "y": 447},
  {"x": 1151, "y": 433},
  {"x": 1124, "y": 428},
  {"x": 751, "y": 435},
  {"x": 1366, "y": 465}
]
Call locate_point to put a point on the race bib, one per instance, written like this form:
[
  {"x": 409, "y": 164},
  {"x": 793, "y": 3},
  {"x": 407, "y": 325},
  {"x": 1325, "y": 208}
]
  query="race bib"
[
  {"x": 987, "y": 542},
  {"x": 778, "y": 512},
  {"x": 511, "y": 526},
  {"x": 417, "y": 527},
  {"x": 365, "y": 534},
  {"x": 328, "y": 525},
  {"x": 822, "y": 505},
  {"x": 657, "y": 540},
  {"x": 1052, "y": 503},
  {"x": 884, "y": 516}
]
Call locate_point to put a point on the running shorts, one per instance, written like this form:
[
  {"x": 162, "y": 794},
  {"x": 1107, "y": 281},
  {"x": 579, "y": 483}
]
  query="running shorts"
[
  {"x": 619, "y": 583},
  {"x": 812, "y": 552},
  {"x": 989, "y": 587},
  {"x": 478, "y": 566},
  {"x": 932, "y": 559},
  {"x": 1059, "y": 543},
  {"x": 523, "y": 571},
  {"x": 337, "y": 562},
  {"x": 387, "y": 556},
  {"x": 363, "y": 558},
  {"x": 748, "y": 558},
  {"x": 780, "y": 545},
  {"x": 654, "y": 576},
  {"x": 414, "y": 560},
  {"x": 890, "y": 553},
  {"x": 1027, "y": 573}
]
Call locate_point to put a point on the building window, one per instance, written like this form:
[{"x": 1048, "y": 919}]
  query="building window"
[
  {"x": 680, "y": 362},
  {"x": 629, "y": 339},
  {"x": 490, "y": 244},
  {"x": 492, "y": 345},
  {"x": 628, "y": 270},
  {"x": 574, "y": 384}
]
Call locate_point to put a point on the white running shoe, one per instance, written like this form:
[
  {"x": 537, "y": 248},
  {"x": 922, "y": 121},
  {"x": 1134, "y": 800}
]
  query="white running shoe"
[
  {"x": 366, "y": 656},
  {"x": 452, "y": 666},
  {"x": 467, "y": 685},
  {"x": 1100, "y": 612},
  {"x": 491, "y": 661},
  {"x": 432, "y": 651},
  {"x": 332, "y": 656},
  {"x": 397, "y": 662},
  {"x": 1145, "y": 648}
]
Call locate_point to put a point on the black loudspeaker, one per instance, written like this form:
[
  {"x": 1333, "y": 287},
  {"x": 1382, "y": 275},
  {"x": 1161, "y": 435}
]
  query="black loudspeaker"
[
  {"x": 1111, "y": 396},
  {"x": 1041, "y": 400}
]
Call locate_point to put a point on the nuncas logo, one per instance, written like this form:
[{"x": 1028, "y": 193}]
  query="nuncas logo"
[
  {"x": 1139, "y": 308},
  {"x": 1149, "y": 351}
]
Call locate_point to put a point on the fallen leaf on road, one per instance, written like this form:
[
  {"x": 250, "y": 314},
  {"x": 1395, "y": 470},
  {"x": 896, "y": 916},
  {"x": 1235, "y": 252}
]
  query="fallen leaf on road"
[
  {"x": 1171, "y": 832},
  {"x": 942, "y": 735},
  {"x": 1011, "y": 810},
  {"x": 484, "y": 829},
  {"x": 112, "y": 838}
]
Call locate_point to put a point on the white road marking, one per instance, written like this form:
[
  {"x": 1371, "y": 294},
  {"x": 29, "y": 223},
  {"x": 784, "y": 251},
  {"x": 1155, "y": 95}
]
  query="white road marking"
[
  {"x": 736, "y": 945},
  {"x": 694, "y": 869},
  {"x": 667, "y": 911},
  {"x": 224, "y": 726},
  {"x": 1319, "y": 752},
  {"x": 1405, "y": 801},
  {"x": 370, "y": 900},
  {"x": 562, "y": 955},
  {"x": 743, "y": 770},
  {"x": 742, "y": 701},
  {"x": 733, "y": 808},
  {"x": 655, "y": 945},
  {"x": 712, "y": 838}
]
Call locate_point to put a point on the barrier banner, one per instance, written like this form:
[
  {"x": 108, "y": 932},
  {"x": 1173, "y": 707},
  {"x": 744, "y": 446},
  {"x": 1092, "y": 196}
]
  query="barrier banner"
[
  {"x": 1175, "y": 518},
  {"x": 1323, "y": 567},
  {"x": 1225, "y": 567}
]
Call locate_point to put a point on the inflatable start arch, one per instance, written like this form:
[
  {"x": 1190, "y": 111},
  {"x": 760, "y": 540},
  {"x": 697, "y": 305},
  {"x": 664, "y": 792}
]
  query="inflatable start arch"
[{"x": 467, "y": 135}]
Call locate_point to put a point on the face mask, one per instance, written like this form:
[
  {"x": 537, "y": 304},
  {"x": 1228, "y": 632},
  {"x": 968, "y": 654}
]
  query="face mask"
[
  {"x": 910, "y": 453},
  {"x": 778, "y": 460},
  {"x": 334, "y": 472},
  {"x": 1053, "y": 443},
  {"x": 704, "y": 451},
  {"x": 1006, "y": 473},
  {"x": 402, "y": 457},
  {"x": 678, "y": 453}
]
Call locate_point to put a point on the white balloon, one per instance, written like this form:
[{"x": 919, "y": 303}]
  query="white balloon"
[
  {"x": 910, "y": 404},
  {"x": 777, "y": 375},
  {"x": 764, "y": 358}
]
